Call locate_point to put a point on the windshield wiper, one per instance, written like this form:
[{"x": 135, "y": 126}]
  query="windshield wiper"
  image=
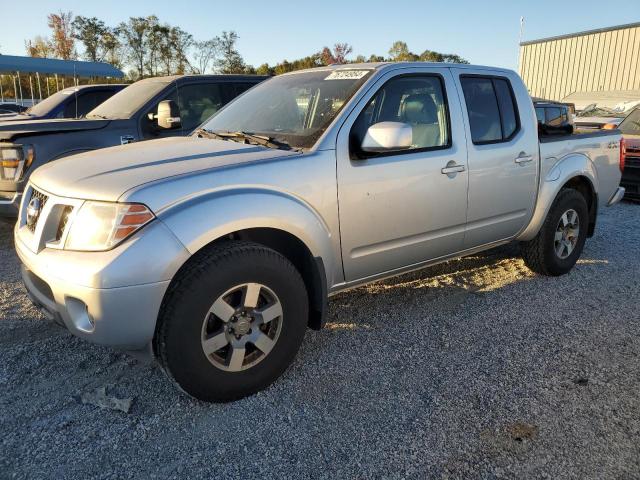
[
  {"x": 204, "y": 133},
  {"x": 97, "y": 115},
  {"x": 246, "y": 137}
]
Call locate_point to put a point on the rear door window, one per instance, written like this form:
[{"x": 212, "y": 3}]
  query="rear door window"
[
  {"x": 491, "y": 109},
  {"x": 507, "y": 108}
]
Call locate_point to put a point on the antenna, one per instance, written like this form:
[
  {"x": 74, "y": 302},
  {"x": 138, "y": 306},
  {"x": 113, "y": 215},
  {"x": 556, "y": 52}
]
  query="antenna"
[{"x": 75, "y": 89}]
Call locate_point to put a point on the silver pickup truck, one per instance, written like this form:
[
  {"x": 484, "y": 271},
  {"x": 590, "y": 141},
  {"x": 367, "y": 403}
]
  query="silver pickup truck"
[{"x": 218, "y": 250}]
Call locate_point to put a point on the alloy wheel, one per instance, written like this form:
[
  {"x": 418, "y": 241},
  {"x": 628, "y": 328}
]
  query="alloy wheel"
[{"x": 241, "y": 327}]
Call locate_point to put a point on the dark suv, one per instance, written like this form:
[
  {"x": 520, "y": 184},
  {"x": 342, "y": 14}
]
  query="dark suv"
[
  {"x": 73, "y": 102},
  {"x": 151, "y": 108}
]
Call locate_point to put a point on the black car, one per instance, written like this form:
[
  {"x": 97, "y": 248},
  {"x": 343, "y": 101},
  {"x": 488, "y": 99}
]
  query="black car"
[
  {"x": 72, "y": 102},
  {"x": 11, "y": 108},
  {"x": 150, "y": 108},
  {"x": 554, "y": 118}
]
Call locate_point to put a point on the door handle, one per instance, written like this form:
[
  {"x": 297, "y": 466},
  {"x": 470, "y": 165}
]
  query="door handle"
[
  {"x": 453, "y": 169},
  {"x": 523, "y": 158}
]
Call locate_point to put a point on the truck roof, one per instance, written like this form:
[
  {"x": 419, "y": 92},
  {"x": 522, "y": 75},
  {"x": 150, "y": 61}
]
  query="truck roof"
[
  {"x": 380, "y": 66},
  {"x": 171, "y": 78}
]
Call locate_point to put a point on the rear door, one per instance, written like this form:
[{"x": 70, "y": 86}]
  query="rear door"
[
  {"x": 402, "y": 208},
  {"x": 503, "y": 154}
]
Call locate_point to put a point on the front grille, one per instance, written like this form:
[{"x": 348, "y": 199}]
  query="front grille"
[{"x": 32, "y": 220}]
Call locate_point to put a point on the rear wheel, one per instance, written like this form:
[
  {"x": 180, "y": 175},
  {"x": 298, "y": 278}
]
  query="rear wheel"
[
  {"x": 232, "y": 322},
  {"x": 559, "y": 243}
]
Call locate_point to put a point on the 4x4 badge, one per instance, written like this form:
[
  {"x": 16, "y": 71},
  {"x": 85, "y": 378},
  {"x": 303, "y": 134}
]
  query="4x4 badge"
[{"x": 124, "y": 139}]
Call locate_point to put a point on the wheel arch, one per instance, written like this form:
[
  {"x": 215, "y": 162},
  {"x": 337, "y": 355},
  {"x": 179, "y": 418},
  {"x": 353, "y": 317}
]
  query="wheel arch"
[
  {"x": 574, "y": 171},
  {"x": 281, "y": 223}
]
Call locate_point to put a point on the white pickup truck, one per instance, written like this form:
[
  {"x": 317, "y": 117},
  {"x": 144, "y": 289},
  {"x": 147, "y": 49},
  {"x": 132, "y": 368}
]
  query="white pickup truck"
[{"x": 218, "y": 250}]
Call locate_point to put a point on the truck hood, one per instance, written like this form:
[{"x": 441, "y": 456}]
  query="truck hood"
[
  {"x": 10, "y": 130},
  {"x": 108, "y": 173}
]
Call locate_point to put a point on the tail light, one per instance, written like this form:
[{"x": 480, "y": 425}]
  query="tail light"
[{"x": 623, "y": 153}]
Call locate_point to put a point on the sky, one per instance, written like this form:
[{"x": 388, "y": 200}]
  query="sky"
[{"x": 484, "y": 32}]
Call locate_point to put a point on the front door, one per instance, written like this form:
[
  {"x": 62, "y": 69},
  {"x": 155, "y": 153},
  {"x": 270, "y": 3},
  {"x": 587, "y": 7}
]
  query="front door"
[{"x": 402, "y": 208}]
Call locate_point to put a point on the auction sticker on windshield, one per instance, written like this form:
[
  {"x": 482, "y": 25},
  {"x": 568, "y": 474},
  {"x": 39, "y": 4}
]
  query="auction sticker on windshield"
[{"x": 347, "y": 75}]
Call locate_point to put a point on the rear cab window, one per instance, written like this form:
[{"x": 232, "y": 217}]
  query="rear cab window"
[{"x": 491, "y": 108}]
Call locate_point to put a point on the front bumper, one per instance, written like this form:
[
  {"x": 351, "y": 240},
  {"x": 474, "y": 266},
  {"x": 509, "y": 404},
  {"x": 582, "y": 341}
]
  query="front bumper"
[
  {"x": 119, "y": 317},
  {"x": 110, "y": 298},
  {"x": 9, "y": 204}
]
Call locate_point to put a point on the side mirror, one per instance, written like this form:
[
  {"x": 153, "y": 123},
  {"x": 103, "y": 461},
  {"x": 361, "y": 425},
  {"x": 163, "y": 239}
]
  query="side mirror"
[
  {"x": 387, "y": 137},
  {"x": 168, "y": 115}
]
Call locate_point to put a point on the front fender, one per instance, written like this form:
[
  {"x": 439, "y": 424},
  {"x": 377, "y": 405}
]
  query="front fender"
[
  {"x": 201, "y": 220},
  {"x": 571, "y": 166}
]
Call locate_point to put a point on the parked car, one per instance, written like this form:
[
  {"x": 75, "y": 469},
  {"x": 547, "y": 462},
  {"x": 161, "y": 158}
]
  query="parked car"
[
  {"x": 151, "y": 108},
  {"x": 218, "y": 250},
  {"x": 11, "y": 108},
  {"x": 553, "y": 118},
  {"x": 72, "y": 102},
  {"x": 630, "y": 128},
  {"x": 595, "y": 117}
]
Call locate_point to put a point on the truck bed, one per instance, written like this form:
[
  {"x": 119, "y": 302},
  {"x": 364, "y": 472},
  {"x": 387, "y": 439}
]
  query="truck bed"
[{"x": 602, "y": 147}]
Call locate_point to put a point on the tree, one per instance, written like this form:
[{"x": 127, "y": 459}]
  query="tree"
[
  {"x": 134, "y": 34},
  {"x": 153, "y": 37},
  {"x": 341, "y": 51},
  {"x": 206, "y": 52},
  {"x": 62, "y": 41},
  {"x": 265, "y": 69},
  {"x": 39, "y": 47},
  {"x": 337, "y": 56},
  {"x": 112, "y": 48},
  {"x": 399, "y": 52},
  {"x": 375, "y": 58},
  {"x": 91, "y": 32},
  {"x": 231, "y": 61},
  {"x": 453, "y": 58},
  {"x": 182, "y": 42}
]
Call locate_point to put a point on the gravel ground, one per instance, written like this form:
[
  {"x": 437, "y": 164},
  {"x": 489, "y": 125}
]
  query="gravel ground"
[{"x": 474, "y": 368}]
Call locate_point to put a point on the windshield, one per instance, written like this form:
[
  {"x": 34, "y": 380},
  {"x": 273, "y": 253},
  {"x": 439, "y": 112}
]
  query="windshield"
[
  {"x": 293, "y": 109},
  {"x": 48, "y": 104},
  {"x": 631, "y": 124},
  {"x": 127, "y": 101}
]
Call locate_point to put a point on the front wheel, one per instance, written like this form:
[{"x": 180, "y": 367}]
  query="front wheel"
[
  {"x": 558, "y": 245},
  {"x": 232, "y": 322}
]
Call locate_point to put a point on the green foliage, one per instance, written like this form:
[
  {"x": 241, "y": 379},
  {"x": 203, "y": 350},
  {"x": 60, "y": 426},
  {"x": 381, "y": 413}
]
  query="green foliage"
[
  {"x": 151, "y": 48},
  {"x": 231, "y": 61}
]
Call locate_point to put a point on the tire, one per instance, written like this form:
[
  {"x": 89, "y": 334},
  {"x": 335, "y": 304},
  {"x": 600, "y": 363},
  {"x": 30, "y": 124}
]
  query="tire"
[
  {"x": 191, "y": 320},
  {"x": 541, "y": 253}
]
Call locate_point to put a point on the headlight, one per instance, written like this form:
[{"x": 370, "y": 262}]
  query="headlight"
[
  {"x": 101, "y": 225},
  {"x": 15, "y": 160}
]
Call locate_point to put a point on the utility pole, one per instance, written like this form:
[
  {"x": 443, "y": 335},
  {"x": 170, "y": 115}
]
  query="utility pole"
[{"x": 519, "y": 46}]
